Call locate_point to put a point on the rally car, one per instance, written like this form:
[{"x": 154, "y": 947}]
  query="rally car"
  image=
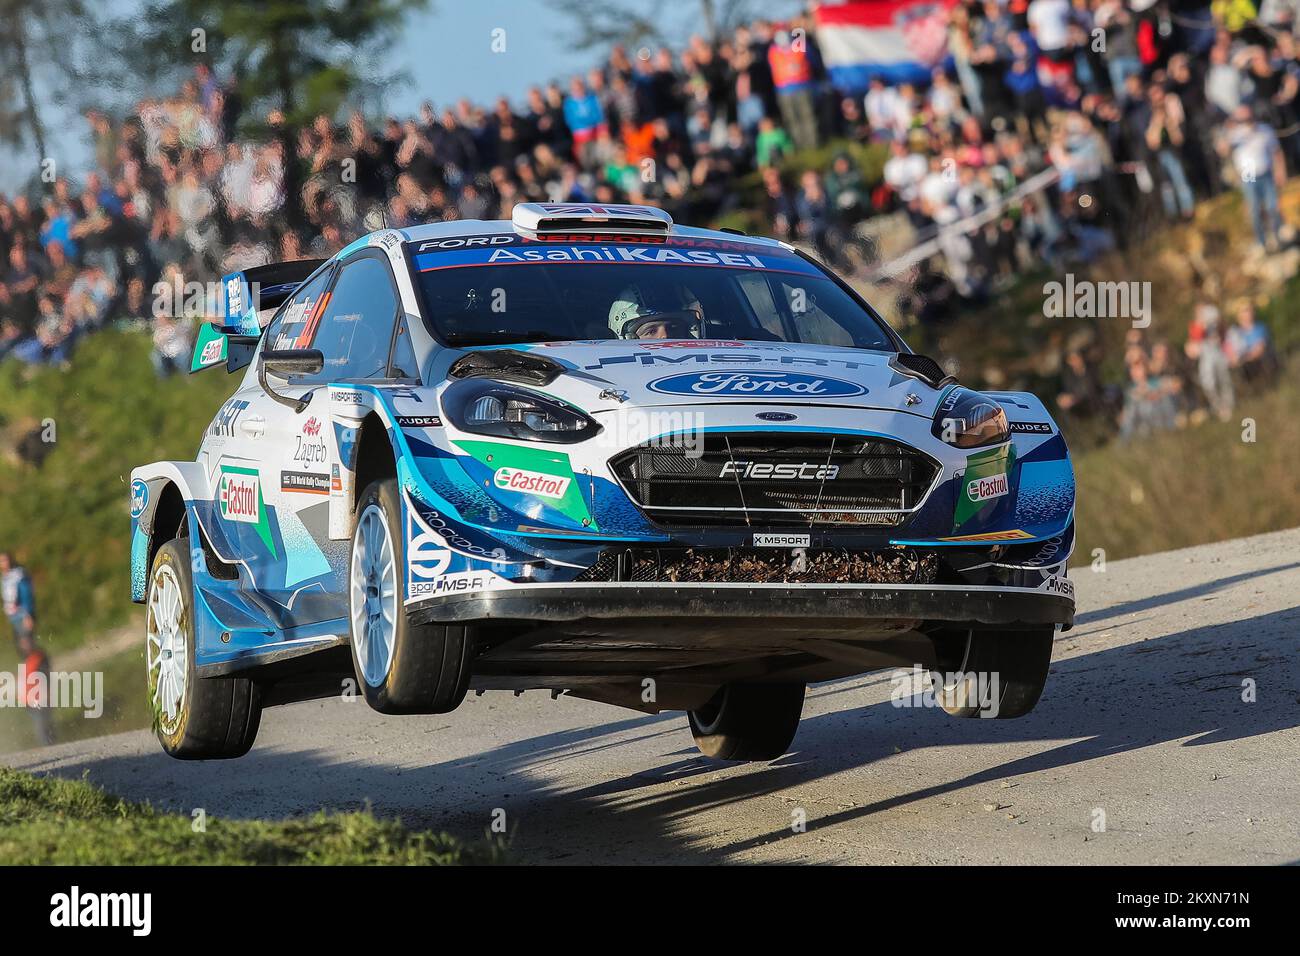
[{"x": 590, "y": 451}]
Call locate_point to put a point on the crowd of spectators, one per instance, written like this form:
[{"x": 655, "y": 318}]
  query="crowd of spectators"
[{"x": 1130, "y": 105}]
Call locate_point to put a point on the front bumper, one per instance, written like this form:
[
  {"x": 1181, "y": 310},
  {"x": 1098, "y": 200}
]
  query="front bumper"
[{"x": 913, "y": 605}]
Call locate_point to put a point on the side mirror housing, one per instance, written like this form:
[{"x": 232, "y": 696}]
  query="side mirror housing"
[{"x": 293, "y": 361}]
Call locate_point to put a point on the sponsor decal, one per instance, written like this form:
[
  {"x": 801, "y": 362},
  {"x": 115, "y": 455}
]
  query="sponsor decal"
[
  {"x": 982, "y": 489},
  {"x": 234, "y": 296},
  {"x": 428, "y": 558},
  {"x": 753, "y": 354},
  {"x": 347, "y": 396},
  {"x": 987, "y": 479},
  {"x": 518, "y": 467},
  {"x": 336, "y": 478},
  {"x": 1058, "y": 584},
  {"x": 466, "y": 242},
  {"x": 1016, "y": 535},
  {"x": 531, "y": 482},
  {"x": 628, "y": 254},
  {"x": 776, "y": 416},
  {"x": 427, "y": 555},
  {"x": 212, "y": 352},
  {"x": 755, "y": 384},
  {"x": 693, "y": 344},
  {"x": 419, "y": 421},
  {"x": 311, "y": 448},
  {"x": 782, "y": 540},
  {"x": 305, "y": 482},
  {"x": 1032, "y": 428},
  {"x": 239, "y": 499},
  {"x": 223, "y": 425},
  {"x": 139, "y": 497},
  {"x": 781, "y": 471}
]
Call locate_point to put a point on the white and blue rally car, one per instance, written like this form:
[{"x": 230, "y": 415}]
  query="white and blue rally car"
[{"x": 591, "y": 451}]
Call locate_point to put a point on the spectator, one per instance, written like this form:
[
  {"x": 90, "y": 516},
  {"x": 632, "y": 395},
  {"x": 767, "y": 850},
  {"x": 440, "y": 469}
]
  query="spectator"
[
  {"x": 792, "y": 75},
  {"x": 1213, "y": 371},
  {"x": 1257, "y": 159},
  {"x": 34, "y": 687},
  {"x": 171, "y": 346},
  {"x": 1249, "y": 348},
  {"x": 18, "y": 597}
]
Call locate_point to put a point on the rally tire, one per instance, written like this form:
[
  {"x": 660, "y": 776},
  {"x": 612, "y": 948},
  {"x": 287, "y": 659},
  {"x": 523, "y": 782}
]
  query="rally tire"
[
  {"x": 195, "y": 718},
  {"x": 748, "y": 721},
  {"x": 1019, "y": 659},
  {"x": 401, "y": 668}
]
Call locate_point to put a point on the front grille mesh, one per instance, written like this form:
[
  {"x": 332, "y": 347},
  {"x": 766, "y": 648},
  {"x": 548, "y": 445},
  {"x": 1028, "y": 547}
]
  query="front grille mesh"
[
  {"x": 778, "y": 479},
  {"x": 764, "y": 566}
]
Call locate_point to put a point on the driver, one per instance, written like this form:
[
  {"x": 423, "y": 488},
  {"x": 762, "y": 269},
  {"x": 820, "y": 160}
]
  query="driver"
[{"x": 641, "y": 312}]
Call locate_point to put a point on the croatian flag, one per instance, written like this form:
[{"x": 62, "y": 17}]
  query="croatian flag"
[{"x": 899, "y": 40}]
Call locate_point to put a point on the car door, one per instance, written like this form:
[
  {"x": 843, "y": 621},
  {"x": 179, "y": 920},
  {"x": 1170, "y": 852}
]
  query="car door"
[
  {"x": 352, "y": 324},
  {"x": 242, "y": 453}
]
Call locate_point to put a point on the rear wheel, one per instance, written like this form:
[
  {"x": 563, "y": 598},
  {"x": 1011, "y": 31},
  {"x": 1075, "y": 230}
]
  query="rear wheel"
[
  {"x": 403, "y": 668},
  {"x": 195, "y": 718},
  {"x": 748, "y": 721},
  {"x": 992, "y": 673}
]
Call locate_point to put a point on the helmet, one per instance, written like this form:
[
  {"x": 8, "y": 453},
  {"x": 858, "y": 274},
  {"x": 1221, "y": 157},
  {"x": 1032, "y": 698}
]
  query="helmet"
[{"x": 634, "y": 310}]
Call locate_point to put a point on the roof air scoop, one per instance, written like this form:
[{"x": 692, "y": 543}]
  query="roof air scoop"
[{"x": 544, "y": 218}]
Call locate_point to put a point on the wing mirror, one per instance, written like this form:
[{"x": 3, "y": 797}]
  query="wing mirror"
[
  {"x": 293, "y": 361},
  {"x": 289, "y": 362}
]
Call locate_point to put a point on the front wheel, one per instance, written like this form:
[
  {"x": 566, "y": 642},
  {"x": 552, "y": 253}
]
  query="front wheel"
[
  {"x": 195, "y": 718},
  {"x": 748, "y": 721},
  {"x": 403, "y": 668},
  {"x": 992, "y": 673}
]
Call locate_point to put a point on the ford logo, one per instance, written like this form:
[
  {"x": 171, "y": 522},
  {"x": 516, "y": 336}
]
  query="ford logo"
[
  {"x": 139, "y": 497},
  {"x": 776, "y": 416},
  {"x": 755, "y": 384}
]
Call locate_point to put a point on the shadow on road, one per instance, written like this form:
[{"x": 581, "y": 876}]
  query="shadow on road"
[{"x": 1183, "y": 687}]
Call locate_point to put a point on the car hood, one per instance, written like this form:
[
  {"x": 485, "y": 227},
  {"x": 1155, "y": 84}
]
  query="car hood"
[{"x": 602, "y": 375}]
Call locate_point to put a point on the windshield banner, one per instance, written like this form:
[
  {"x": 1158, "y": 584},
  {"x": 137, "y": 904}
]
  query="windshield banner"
[{"x": 505, "y": 249}]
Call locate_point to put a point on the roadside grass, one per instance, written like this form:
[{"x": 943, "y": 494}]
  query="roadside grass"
[
  {"x": 68, "y": 518},
  {"x": 1194, "y": 486},
  {"x": 124, "y": 702},
  {"x": 49, "y": 821}
]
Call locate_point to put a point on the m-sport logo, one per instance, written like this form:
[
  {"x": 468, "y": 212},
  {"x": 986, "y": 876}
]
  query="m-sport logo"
[
  {"x": 781, "y": 471},
  {"x": 755, "y": 385}
]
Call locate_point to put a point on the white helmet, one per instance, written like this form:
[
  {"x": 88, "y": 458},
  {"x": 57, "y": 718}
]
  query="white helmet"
[{"x": 679, "y": 307}]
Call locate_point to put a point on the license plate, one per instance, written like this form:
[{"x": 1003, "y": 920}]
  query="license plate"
[{"x": 782, "y": 540}]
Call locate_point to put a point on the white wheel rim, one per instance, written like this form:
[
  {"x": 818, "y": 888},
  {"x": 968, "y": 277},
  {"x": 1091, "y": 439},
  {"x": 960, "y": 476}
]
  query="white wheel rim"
[
  {"x": 167, "y": 646},
  {"x": 373, "y": 595}
]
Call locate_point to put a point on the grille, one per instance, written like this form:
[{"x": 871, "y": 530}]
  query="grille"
[
  {"x": 771, "y": 480},
  {"x": 764, "y": 566}
]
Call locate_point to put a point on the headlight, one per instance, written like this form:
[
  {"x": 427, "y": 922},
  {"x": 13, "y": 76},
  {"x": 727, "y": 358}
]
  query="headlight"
[
  {"x": 492, "y": 408},
  {"x": 968, "y": 419}
]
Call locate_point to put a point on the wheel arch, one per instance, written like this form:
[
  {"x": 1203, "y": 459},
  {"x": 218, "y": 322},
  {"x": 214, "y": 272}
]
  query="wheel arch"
[
  {"x": 166, "y": 514},
  {"x": 375, "y": 457}
]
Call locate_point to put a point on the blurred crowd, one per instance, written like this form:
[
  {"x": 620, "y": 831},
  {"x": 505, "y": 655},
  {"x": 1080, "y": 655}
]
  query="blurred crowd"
[
  {"x": 1134, "y": 107},
  {"x": 1168, "y": 387}
]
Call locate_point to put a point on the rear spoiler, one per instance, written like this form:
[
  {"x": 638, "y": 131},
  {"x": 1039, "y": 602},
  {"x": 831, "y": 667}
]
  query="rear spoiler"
[
  {"x": 246, "y": 294},
  {"x": 230, "y": 340}
]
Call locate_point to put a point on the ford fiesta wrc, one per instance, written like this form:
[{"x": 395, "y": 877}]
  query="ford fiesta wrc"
[{"x": 590, "y": 451}]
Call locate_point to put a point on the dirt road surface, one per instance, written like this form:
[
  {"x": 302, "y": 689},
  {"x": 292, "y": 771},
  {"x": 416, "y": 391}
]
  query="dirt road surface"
[{"x": 1167, "y": 734}]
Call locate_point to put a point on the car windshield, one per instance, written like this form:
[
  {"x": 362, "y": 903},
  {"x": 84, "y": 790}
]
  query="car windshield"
[{"x": 493, "y": 290}]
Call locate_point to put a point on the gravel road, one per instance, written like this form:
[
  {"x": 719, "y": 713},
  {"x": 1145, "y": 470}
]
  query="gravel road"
[{"x": 1142, "y": 750}]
